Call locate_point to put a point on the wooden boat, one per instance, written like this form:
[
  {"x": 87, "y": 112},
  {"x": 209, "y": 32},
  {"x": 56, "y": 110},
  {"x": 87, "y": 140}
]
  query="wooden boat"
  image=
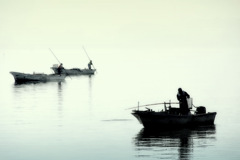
[
  {"x": 171, "y": 117},
  {"x": 74, "y": 71},
  {"x": 37, "y": 77}
]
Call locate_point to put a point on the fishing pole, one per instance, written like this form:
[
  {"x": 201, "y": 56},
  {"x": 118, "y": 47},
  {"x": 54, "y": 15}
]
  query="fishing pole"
[
  {"x": 59, "y": 62},
  {"x": 54, "y": 55},
  {"x": 88, "y": 56},
  {"x": 154, "y": 104}
]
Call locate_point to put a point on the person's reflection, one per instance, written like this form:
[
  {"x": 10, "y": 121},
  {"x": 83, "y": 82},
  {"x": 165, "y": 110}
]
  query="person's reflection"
[
  {"x": 90, "y": 90},
  {"x": 60, "y": 103},
  {"x": 60, "y": 93},
  {"x": 185, "y": 146},
  {"x": 168, "y": 142}
]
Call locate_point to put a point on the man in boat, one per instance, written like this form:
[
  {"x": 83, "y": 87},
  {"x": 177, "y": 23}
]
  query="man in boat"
[
  {"x": 90, "y": 64},
  {"x": 182, "y": 98},
  {"x": 60, "y": 68}
]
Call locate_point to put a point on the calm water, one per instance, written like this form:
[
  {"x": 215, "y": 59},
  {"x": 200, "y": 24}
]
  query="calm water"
[
  {"x": 86, "y": 117},
  {"x": 143, "y": 51}
]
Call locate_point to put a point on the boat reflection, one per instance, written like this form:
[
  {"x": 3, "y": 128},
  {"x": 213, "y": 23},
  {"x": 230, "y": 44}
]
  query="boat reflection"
[{"x": 169, "y": 144}]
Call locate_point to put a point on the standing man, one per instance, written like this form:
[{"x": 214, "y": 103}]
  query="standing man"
[
  {"x": 60, "y": 68},
  {"x": 182, "y": 98},
  {"x": 89, "y": 64}
]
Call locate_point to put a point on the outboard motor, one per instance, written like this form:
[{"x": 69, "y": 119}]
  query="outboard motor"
[{"x": 200, "y": 110}]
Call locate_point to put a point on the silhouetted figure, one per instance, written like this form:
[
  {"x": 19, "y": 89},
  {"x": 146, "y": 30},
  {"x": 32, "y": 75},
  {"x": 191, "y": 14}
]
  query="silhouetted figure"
[
  {"x": 90, "y": 64},
  {"x": 60, "y": 68},
  {"x": 182, "y": 98}
]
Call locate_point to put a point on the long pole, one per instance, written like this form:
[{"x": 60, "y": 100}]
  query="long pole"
[
  {"x": 54, "y": 55},
  {"x": 154, "y": 104},
  {"x": 87, "y": 56},
  {"x": 59, "y": 62}
]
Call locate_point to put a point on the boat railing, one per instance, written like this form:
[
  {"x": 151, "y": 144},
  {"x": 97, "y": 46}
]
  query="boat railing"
[{"x": 155, "y": 104}]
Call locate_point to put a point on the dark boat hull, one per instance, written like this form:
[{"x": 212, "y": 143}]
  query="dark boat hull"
[
  {"x": 151, "y": 119},
  {"x": 23, "y": 77},
  {"x": 75, "y": 71}
]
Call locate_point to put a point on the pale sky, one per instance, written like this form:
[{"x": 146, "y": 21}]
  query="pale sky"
[{"x": 119, "y": 23}]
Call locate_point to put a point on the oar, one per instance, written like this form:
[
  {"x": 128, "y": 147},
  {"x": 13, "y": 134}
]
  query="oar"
[
  {"x": 59, "y": 62},
  {"x": 88, "y": 57}
]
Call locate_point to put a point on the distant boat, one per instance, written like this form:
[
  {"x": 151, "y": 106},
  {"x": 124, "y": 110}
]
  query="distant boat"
[
  {"x": 37, "y": 77},
  {"x": 73, "y": 71},
  {"x": 171, "y": 117}
]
